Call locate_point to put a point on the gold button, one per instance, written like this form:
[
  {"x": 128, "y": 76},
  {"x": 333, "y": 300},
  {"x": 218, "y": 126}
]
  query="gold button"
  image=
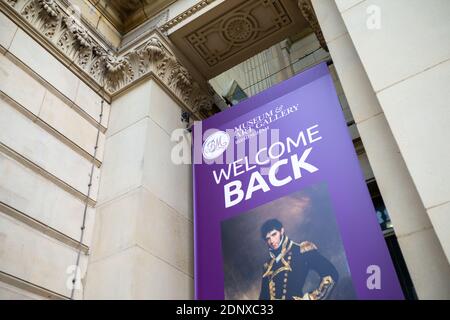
[
  {"x": 283, "y": 297},
  {"x": 285, "y": 280},
  {"x": 284, "y": 291}
]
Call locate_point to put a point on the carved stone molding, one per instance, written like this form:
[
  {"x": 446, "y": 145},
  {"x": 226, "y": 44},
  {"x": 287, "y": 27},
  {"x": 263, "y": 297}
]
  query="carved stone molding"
[
  {"x": 53, "y": 22},
  {"x": 50, "y": 7},
  {"x": 308, "y": 12},
  {"x": 185, "y": 14}
]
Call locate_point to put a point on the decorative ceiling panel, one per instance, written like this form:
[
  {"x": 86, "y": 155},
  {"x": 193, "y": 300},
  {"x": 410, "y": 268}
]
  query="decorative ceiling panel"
[{"x": 235, "y": 30}]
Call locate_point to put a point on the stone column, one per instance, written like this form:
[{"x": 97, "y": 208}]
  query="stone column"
[
  {"x": 285, "y": 58},
  {"x": 420, "y": 246},
  {"x": 143, "y": 238}
]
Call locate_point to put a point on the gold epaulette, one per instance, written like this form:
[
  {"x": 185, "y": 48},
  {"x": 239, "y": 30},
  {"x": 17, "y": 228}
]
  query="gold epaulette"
[
  {"x": 268, "y": 268},
  {"x": 306, "y": 246}
]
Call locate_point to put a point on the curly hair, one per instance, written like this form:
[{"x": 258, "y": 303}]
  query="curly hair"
[{"x": 269, "y": 225}]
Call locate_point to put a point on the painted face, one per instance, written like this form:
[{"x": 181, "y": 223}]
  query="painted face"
[{"x": 273, "y": 238}]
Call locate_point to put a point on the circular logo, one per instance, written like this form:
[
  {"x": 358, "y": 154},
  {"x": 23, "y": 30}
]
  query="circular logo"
[{"x": 215, "y": 145}]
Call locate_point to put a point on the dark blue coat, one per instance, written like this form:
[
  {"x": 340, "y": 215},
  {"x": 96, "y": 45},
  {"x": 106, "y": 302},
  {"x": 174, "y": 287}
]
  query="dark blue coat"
[{"x": 286, "y": 278}]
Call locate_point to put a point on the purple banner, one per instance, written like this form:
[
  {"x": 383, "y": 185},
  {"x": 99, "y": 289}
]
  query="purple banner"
[{"x": 281, "y": 208}]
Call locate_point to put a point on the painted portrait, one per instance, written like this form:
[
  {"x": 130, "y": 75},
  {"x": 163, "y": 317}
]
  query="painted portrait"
[{"x": 287, "y": 249}]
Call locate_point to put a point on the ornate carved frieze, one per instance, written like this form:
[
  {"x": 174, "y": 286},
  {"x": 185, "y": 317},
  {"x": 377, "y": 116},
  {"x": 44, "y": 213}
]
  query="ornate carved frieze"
[
  {"x": 49, "y": 6},
  {"x": 77, "y": 31},
  {"x": 12, "y": 3},
  {"x": 109, "y": 70}
]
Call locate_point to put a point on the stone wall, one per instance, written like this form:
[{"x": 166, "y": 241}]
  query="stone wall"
[
  {"x": 143, "y": 244},
  {"x": 139, "y": 200},
  {"x": 53, "y": 139},
  {"x": 49, "y": 122},
  {"x": 411, "y": 77}
]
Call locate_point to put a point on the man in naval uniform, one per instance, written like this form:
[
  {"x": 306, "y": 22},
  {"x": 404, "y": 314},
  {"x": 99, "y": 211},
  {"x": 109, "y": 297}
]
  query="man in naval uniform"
[{"x": 284, "y": 274}]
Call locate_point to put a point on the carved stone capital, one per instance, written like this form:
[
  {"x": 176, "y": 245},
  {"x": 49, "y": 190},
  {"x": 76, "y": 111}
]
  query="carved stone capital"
[
  {"x": 153, "y": 50},
  {"x": 65, "y": 36},
  {"x": 79, "y": 32}
]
